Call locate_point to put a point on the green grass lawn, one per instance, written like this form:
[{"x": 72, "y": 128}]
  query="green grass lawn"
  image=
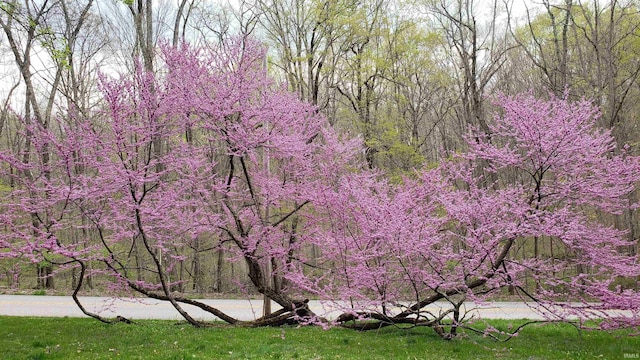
[{"x": 72, "y": 338}]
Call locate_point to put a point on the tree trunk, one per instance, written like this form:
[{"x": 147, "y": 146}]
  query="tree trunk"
[{"x": 219, "y": 263}]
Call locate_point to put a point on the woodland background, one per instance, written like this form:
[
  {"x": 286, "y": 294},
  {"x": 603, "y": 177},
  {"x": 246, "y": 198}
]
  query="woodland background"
[{"x": 411, "y": 78}]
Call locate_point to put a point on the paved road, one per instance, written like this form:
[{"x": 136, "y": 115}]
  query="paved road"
[{"x": 60, "y": 306}]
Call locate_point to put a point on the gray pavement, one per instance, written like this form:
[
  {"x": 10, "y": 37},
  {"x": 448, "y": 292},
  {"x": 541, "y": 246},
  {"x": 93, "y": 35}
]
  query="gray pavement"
[{"x": 60, "y": 306}]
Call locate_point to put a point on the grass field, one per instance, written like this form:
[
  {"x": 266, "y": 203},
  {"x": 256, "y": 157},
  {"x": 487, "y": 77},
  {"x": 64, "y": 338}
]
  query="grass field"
[{"x": 73, "y": 338}]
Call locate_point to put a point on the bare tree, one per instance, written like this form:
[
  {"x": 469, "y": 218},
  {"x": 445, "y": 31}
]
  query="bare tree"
[
  {"x": 549, "y": 49},
  {"x": 479, "y": 50}
]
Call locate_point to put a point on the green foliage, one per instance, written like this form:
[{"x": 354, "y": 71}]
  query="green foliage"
[
  {"x": 394, "y": 154},
  {"x": 4, "y": 189},
  {"x": 9, "y": 7},
  {"x": 58, "y": 49},
  {"x": 71, "y": 338}
]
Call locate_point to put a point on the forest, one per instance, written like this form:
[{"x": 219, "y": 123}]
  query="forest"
[{"x": 379, "y": 154}]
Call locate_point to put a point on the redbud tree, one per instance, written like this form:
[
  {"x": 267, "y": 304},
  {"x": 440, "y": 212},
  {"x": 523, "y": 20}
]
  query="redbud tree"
[
  {"x": 211, "y": 151},
  {"x": 471, "y": 228}
]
